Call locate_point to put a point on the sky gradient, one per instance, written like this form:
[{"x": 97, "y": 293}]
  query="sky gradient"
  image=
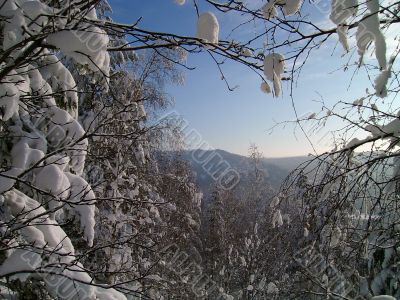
[{"x": 232, "y": 120}]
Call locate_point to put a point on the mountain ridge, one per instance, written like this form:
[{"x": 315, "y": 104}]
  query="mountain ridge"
[{"x": 202, "y": 161}]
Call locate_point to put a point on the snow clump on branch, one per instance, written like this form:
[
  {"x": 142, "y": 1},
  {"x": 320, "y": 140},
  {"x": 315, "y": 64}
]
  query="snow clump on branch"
[
  {"x": 208, "y": 28},
  {"x": 274, "y": 65}
]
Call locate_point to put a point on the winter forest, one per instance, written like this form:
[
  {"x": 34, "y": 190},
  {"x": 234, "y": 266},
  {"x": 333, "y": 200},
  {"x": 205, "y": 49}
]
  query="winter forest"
[{"x": 105, "y": 193}]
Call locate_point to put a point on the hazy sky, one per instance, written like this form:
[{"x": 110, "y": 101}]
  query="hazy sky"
[{"x": 232, "y": 120}]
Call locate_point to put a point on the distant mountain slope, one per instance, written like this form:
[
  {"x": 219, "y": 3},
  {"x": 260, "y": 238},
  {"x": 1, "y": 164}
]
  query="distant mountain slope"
[
  {"x": 287, "y": 163},
  {"x": 276, "y": 169}
]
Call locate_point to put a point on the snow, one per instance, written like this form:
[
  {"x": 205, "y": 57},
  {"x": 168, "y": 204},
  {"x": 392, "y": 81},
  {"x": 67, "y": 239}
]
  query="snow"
[
  {"x": 141, "y": 112},
  {"x": 262, "y": 283},
  {"x": 61, "y": 161},
  {"x": 388, "y": 256},
  {"x": 342, "y": 10},
  {"x": 64, "y": 130},
  {"x": 325, "y": 280},
  {"x": 373, "y": 6},
  {"x": 243, "y": 261},
  {"x": 277, "y": 220},
  {"x": 82, "y": 194},
  {"x": 61, "y": 174},
  {"x": 208, "y": 28},
  {"x": 379, "y": 281},
  {"x": 306, "y": 232},
  {"x": 87, "y": 47},
  {"x": 9, "y": 101},
  {"x": 375, "y": 130},
  {"x": 13, "y": 28},
  {"x": 383, "y": 297},
  {"x": 53, "y": 180},
  {"x": 277, "y": 86},
  {"x": 265, "y": 87},
  {"x": 342, "y": 33},
  {"x": 27, "y": 208},
  {"x": 36, "y": 10},
  {"x": 274, "y": 65},
  {"x": 57, "y": 74},
  {"x": 252, "y": 277},
  {"x": 272, "y": 288},
  {"x": 269, "y": 10},
  {"x": 33, "y": 236},
  {"x": 290, "y": 7},
  {"x": 108, "y": 294},
  {"x": 368, "y": 31},
  {"x": 256, "y": 229},
  {"x": 7, "y": 6},
  {"x": 391, "y": 128},
  {"x": 39, "y": 85},
  {"x": 44, "y": 232},
  {"x": 312, "y": 116},
  {"x": 48, "y": 148},
  {"x": 74, "y": 280},
  {"x": 154, "y": 277},
  {"x": 358, "y": 102},
  {"x": 139, "y": 154},
  {"x": 274, "y": 202},
  {"x": 7, "y": 183},
  {"x": 17, "y": 262},
  {"x": 336, "y": 235},
  {"x": 247, "y": 52},
  {"x": 381, "y": 83}
]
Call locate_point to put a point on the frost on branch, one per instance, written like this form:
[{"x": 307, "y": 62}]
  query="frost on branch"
[
  {"x": 381, "y": 82},
  {"x": 274, "y": 65},
  {"x": 208, "y": 28},
  {"x": 342, "y": 10},
  {"x": 277, "y": 219},
  {"x": 369, "y": 31},
  {"x": 342, "y": 33},
  {"x": 289, "y": 7}
]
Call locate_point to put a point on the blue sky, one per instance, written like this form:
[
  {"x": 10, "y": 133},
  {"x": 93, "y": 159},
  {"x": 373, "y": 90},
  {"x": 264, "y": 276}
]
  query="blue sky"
[{"x": 232, "y": 120}]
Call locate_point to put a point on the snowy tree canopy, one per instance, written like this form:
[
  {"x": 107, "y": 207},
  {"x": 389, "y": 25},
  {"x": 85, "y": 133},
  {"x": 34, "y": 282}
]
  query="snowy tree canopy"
[{"x": 89, "y": 206}]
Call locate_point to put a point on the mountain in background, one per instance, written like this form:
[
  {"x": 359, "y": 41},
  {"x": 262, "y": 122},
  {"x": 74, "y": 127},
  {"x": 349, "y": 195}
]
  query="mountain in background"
[{"x": 275, "y": 169}]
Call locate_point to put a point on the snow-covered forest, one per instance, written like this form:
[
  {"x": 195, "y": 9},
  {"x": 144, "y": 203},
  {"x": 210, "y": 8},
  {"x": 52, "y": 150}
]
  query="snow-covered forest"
[{"x": 99, "y": 201}]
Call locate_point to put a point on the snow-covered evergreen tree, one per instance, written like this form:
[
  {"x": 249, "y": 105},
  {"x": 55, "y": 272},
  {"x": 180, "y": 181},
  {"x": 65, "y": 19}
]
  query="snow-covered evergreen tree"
[{"x": 44, "y": 148}]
